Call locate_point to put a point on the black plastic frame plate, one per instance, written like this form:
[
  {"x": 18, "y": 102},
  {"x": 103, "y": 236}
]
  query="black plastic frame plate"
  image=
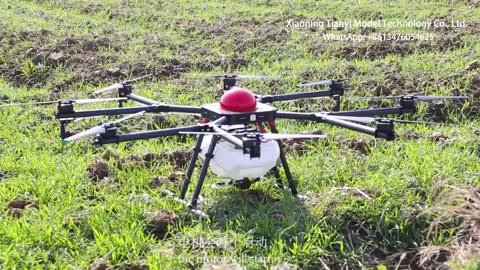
[{"x": 263, "y": 113}]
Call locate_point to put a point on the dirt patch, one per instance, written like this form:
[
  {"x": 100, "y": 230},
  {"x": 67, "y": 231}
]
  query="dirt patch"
[
  {"x": 171, "y": 68},
  {"x": 472, "y": 65},
  {"x": 110, "y": 155},
  {"x": 372, "y": 50},
  {"x": 159, "y": 223},
  {"x": 412, "y": 135},
  {"x": 5, "y": 175},
  {"x": 295, "y": 147},
  {"x": 34, "y": 65},
  {"x": 300, "y": 146},
  {"x": 438, "y": 111},
  {"x": 474, "y": 111},
  {"x": 4, "y": 98},
  {"x": 17, "y": 206},
  {"x": 475, "y": 82},
  {"x": 361, "y": 145},
  {"x": 142, "y": 265},
  {"x": 100, "y": 264},
  {"x": 179, "y": 158},
  {"x": 438, "y": 136},
  {"x": 159, "y": 181},
  {"x": 91, "y": 8},
  {"x": 147, "y": 159},
  {"x": 132, "y": 159},
  {"x": 232, "y": 62},
  {"x": 22, "y": 203},
  {"x": 98, "y": 170},
  {"x": 397, "y": 81}
]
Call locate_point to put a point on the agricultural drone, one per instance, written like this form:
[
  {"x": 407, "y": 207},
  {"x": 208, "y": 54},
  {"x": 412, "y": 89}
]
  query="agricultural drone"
[{"x": 232, "y": 136}]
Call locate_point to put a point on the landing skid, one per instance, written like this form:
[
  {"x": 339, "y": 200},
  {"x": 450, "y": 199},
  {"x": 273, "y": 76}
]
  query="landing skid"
[{"x": 242, "y": 184}]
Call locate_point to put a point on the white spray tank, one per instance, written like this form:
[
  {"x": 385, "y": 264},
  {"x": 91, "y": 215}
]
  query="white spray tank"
[{"x": 231, "y": 162}]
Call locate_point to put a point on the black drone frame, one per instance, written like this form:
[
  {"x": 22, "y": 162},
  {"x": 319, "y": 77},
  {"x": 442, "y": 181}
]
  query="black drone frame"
[{"x": 250, "y": 144}]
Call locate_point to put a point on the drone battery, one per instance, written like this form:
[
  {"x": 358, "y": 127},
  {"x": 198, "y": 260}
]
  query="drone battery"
[{"x": 231, "y": 162}]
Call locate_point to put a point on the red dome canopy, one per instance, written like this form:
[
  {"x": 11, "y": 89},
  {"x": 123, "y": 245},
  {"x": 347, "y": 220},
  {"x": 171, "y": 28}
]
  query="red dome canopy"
[{"x": 238, "y": 100}]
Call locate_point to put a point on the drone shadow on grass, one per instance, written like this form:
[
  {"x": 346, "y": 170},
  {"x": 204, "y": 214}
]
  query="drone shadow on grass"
[{"x": 269, "y": 215}]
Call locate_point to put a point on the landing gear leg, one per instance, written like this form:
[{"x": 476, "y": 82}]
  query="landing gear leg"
[
  {"x": 191, "y": 166},
  {"x": 203, "y": 172},
  {"x": 291, "y": 183}
]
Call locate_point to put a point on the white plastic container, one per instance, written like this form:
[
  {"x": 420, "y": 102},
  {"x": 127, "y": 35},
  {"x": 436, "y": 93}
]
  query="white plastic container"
[{"x": 234, "y": 164}]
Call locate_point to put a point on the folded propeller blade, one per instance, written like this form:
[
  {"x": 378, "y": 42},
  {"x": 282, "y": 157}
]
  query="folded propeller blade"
[
  {"x": 77, "y": 101},
  {"x": 89, "y": 101},
  {"x": 89, "y": 132},
  {"x": 128, "y": 117},
  {"x": 317, "y": 83},
  {"x": 29, "y": 104},
  {"x": 119, "y": 85},
  {"x": 138, "y": 78},
  {"x": 367, "y": 120},
  {"x": 419, "y": 98},
  {"x": 98, "y": 129},
  {"x": 433, "y": 98},
  {"x": 107, "y": 89}
]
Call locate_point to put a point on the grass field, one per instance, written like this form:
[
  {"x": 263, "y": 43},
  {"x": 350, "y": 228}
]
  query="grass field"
[{"x": 411, "y": 203}]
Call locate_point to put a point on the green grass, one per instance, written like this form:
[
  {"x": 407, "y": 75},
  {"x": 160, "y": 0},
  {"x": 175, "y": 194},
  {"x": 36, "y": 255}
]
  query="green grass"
[{"x": 402, "y": 178}]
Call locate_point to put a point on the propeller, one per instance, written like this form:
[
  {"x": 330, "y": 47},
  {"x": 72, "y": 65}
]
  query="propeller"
[
  {"x": 367, "y": 120},
  {"x": 93, "y": 100},
  {"x": 98, "y": 129},
  {"x": 119, "y": 85},
  {"x": 264, "y": 136},
  {"x": 76, "y": 101},
  {"x": 243, "y": 76},
  {"x": 107, "y": 89},
  {"x": 323, "y": 83},
  {"x": 419, "y": 98},
  {"x": 29, "y": 104}
]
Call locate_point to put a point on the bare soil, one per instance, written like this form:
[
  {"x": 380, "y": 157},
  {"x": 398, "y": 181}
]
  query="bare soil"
[
  {"x": 98, "y": 170},
  {"x": 159, "y": 223}
]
